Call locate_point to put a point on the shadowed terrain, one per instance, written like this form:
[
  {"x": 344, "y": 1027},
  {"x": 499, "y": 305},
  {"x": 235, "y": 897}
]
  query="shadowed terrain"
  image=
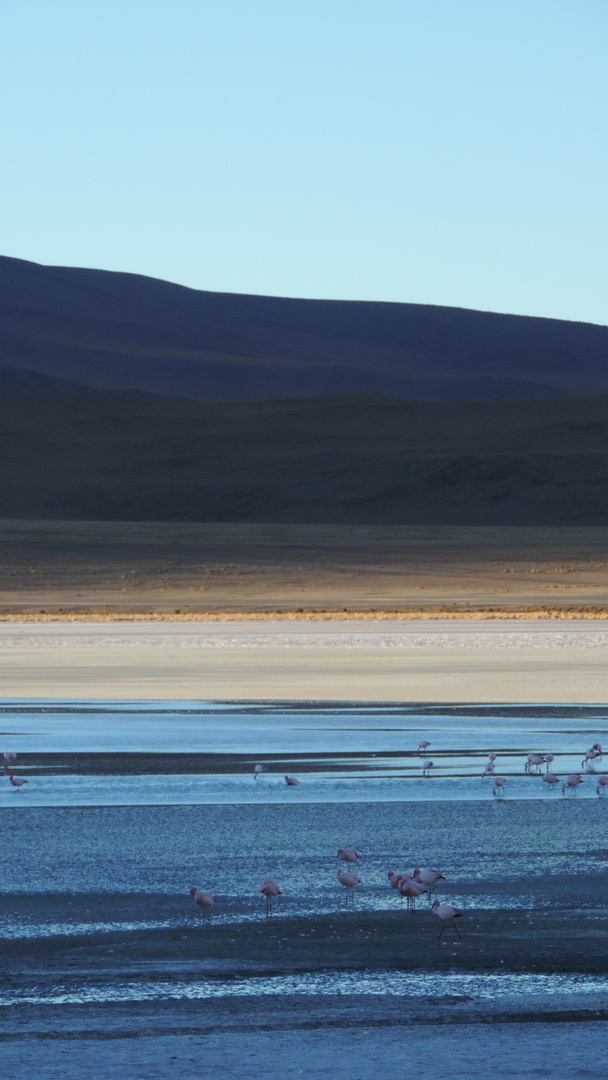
[{"x": 70, "y": 331}]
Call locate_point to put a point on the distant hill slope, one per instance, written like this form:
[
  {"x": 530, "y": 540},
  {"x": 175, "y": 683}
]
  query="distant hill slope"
[
  {"x": 349, "y": 459},
  {"x": 93, "y": 330}
]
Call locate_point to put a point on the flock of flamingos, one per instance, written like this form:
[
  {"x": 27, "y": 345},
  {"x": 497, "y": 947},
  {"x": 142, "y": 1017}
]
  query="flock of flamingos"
[{"x": 409, "y": 886}]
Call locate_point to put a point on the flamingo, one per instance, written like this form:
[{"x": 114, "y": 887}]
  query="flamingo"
[
  {"x": 17, "y": 782},
  {"x": 572, "y": 782},
  {"x": 492, "y": 756},
  {"x": 602, "y": 782},
  {"x": 423, "y": 745},
  {"x": 598, "y": 749},
  {"x": 549, "y": 758},
  {"x": 258, "y": 771},
  {"x": 489, "y": 769},
  {"x": 291, "y": 781},
  {"x": 396, "y": 879},
  {"x": 590, "y": 755},
  {"x": 348, "y": 854},
  {"x": 269, "y": 889},
  {"x": 205, "y": 900},
  {"x": 499, "y": 784},
  {"x": 550, "y": 778},
  {"x": 411, "y": 890},
  {"x": 425, "y": 768},
  {"x": 534, "y": 761},
  {"x": 9, "y": 756},
  {"x": 349, "y": 881},
  {"x": 447, "y": 914},
  {"x": 428, "y": 878}
]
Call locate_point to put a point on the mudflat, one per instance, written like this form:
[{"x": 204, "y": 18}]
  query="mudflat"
[{"x": 186, "y": 569}]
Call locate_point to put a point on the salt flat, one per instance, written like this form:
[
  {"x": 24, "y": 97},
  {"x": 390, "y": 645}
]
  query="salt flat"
[{"x": 457, "y": 661}]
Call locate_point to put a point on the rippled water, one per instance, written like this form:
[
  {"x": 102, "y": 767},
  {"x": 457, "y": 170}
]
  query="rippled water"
[
  {"x": 350, "y": 753},
  {"x": 410, "y": 986}
]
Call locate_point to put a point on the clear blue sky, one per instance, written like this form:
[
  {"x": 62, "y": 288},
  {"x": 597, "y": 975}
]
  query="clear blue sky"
[{"x": 434, "y": 151}]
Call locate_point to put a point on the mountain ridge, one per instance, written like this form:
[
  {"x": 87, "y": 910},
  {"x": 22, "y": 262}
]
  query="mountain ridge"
[{"x": 112, "y": 332}]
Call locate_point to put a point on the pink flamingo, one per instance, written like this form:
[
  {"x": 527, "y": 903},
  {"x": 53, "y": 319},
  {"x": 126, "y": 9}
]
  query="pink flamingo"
[
  {"x": 17, "y": 781},
  {"x": 205, "y": 900},
  {"x": 411, "y": 890},
  {"x": 423, "y": 745},
  {"x": 447, "y": 914},
  {"x": 349, "y": 881},
  {"x": 549, "y": 758},
  {"x": 489, "y": 769},
  {"x": 270, "y": 890},
  {"x": 291, "y": 781},
  {"x": 590, "y": 755},
  {"x": 258, "y": 771},
  {"x": 598, "y": 749},
  {"x": 534, "y": 761},
  {"x": 425, "y": 768},
  {"x": 348, "y": 854},
  {"x": 396, "y": 879},
  {"x": 551, "y": 779},
  {"x": 492, "y": 756},
  {"x": 602, "y": 781},
  {"x": 428, "y": 878},
  {"x": 499, "y": 785},
  {"x": 572, "y": 782}
]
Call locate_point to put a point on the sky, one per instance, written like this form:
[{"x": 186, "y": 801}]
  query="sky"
[{"x": 428, "y": 151}]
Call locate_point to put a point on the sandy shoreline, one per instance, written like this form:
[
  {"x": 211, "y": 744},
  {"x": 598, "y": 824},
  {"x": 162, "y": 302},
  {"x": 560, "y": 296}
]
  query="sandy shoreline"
[{"x": 482, "y": 661}]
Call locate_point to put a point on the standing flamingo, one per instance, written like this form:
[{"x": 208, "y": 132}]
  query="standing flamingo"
[
  {"x": 550, "y": 778},
  {"x": 428, "y": 878},
  {"x": 17, "y": 781},
  {"x": 348, "y": 854},
  {"x": 447, "y": 914},
  {"x": 572, "y": 782},
  {"x": 205, "y": 901},
  {"x": 533, "y": 761},
  {"x": 488, "y": 769},
  {"x": 425, "y": 768},
  {"x": 549, "y": 758},
  {"x": 349, "y": 881},
  {"x": 590, "y": 756},
  {"x": 258, "y": 771},
  {"x": 602, "y": 782},
  {"x": 269, "y": 889},
  {"x": 422, "y": 745},
  {"x": 411, "y": 890},
  {"x": 492, "y": 756},
  {"x": 499, "y": 785}
]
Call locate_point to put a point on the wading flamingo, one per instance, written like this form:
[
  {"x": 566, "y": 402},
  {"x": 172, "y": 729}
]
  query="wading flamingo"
[
  {"x": 492, "y": 756},
  {"x": 349, "y": 881},
  {"x": 258, "y": 771},
  {"x": 489, "y": 769},
  {"x": 534, "y": 761},
  {"x": 447, "y": 914},
  {"x": 551, "y": 779},
  {"x": 590, "y": 755},
  {"x": 17, "y": 781},
  {"x": 499, "y": 785},
  {"x": 205, "y": 901},
  {"x": 348, "y": 854},
  {"x": 548, "y": 759},
  {"x": 428, "y": 879},
  {"x": 602, "y": 783},
  {"x": 269, "y": 889},
  {"x": 425, "y": 768},
  {"x": 423, "y": 745},
  {"x": 572, "y": 782},
  {"x": 411, "y": 890}
]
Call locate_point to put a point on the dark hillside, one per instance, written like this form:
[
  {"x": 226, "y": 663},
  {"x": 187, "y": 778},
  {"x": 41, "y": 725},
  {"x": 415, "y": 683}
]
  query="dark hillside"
[
  {"x": 358, "y": 459},
  {"x": 111, "y": 332}
]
